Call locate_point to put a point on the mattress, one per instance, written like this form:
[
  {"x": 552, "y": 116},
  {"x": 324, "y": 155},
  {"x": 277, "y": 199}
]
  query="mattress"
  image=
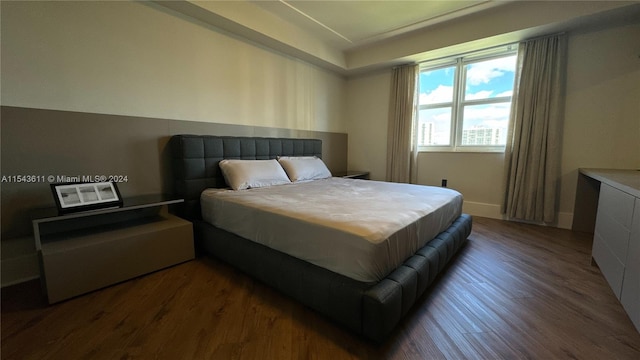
[{"x": 361, "y": 229}]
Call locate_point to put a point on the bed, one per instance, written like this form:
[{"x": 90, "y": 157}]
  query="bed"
[{"x": 368, "y": 301}]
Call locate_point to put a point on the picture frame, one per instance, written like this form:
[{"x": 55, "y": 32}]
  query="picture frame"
[{"x": 77, "y": 196}]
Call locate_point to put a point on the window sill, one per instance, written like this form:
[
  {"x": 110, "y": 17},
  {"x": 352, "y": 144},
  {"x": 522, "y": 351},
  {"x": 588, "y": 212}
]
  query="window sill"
[{"x": 464, "y": 151}]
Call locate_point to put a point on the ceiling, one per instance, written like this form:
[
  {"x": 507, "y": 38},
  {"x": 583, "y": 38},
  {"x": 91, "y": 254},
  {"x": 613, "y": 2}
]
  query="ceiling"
[
  {"x": 357, "y": 36},
  {"x": 347, "y": 24}
]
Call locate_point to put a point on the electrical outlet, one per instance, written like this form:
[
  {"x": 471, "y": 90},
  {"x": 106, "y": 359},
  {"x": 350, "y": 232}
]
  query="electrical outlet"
[{"x": 444, "y": 182}]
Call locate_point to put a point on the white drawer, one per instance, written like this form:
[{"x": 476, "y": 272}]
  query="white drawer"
[
  {"x": 610, "y": 266},
  {"x": 617, "y": 204},
  {"x": 613, "y": 234}
]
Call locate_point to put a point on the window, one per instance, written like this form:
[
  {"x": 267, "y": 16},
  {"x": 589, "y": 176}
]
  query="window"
[{"x": 465, "y": 101}]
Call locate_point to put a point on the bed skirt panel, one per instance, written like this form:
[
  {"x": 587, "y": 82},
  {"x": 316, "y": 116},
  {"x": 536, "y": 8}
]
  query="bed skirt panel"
[
  {"x": 329, "y": 293},
  {"x": 381, "y": 309},
  {"x": 369, "y": 309}
]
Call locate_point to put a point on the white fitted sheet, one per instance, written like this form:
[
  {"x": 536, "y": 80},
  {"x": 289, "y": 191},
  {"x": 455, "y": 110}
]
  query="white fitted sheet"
[{"x": 362, "y": 229}]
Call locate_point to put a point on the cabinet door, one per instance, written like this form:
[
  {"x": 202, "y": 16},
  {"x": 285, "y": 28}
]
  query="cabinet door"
[
  {"x": 611, "y": 236},
  {"x": 631, "y": 284},
  {"x": 613, "y": 222}
]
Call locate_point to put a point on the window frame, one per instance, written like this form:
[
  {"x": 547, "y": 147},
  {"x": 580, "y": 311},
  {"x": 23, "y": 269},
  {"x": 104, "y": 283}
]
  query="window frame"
[{"x": 458, "y": 102}]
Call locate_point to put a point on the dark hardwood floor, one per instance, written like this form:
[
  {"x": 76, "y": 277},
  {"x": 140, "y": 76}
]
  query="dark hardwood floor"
[{"x": 516, "y": 291}]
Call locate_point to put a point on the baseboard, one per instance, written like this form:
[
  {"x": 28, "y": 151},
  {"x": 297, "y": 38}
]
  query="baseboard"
[
  {"x": 491, "y": 211},
  {"x": 564, "y": 220},
  {"x": 22, "y": 266}
]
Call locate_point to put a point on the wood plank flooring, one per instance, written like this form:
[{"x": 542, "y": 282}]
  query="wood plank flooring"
[{"x": 516, "y": 291}]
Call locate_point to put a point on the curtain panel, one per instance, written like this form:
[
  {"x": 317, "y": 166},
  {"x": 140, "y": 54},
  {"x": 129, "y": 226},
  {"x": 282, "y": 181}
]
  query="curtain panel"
[
  {"x": 532, "y": 153},
  {"x": 402, "y": 106}
]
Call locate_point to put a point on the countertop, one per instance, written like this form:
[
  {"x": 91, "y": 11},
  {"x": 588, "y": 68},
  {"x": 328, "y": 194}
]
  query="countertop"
[{"x": 624, "y": 180}]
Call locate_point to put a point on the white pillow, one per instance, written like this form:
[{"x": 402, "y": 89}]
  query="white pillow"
[
  {"x": 246, "y": 174},
  {"x": 301, "y": 168}
]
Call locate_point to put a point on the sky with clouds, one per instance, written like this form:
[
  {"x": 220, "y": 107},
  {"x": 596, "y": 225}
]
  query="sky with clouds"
[{"x": 488, "y": 79}]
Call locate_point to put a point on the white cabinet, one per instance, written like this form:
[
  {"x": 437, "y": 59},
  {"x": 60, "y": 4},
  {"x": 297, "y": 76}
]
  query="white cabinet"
[
  {"x": 630, "y": 297},
  {"x": 611, "y": 237},
  {"x": 616, "y": 245}
]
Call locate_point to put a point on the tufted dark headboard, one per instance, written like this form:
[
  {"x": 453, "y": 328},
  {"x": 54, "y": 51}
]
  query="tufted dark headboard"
[{"x": 195, "y": 161}]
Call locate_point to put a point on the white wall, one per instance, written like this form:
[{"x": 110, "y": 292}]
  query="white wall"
[
  {"x": 602, "y": 111},
  {"x": 368, "y": 106},
  {"x": 141, "y": 59},
  {"x": 602, "y": 125}
]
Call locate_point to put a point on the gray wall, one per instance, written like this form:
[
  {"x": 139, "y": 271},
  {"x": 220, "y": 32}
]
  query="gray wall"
[{"x": 65, "y": 143}]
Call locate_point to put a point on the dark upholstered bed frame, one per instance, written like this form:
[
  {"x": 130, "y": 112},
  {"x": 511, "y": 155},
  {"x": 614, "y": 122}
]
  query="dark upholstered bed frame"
[{"x": 369, "y": 309}]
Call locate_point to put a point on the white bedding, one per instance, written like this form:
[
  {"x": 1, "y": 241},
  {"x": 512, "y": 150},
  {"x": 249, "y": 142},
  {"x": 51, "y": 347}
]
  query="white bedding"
[{"x": 361, "y": 229}]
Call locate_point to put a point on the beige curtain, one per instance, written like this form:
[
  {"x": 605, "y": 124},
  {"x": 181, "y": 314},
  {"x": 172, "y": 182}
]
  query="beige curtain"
[
  {"x": 532, "y": 154},
  {"x": 402, "y": 104}
]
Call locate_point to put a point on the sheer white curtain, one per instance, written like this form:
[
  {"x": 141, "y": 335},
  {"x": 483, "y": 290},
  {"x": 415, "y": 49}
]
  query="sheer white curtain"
[
  {"x": 532, "y": 154},
  {"x": 402, "y": 105}
]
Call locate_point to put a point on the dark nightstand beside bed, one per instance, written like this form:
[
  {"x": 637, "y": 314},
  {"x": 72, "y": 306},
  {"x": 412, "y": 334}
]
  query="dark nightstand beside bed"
[{"x": 353, "y": 174}]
